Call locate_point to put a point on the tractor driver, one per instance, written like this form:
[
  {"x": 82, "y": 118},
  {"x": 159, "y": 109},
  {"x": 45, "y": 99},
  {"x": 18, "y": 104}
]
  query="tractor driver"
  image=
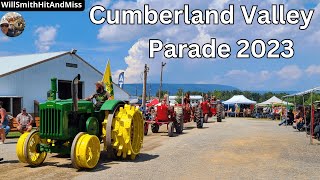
[
  {"x": 100, "y": 96},
  {"x": 186, "y": 99}
]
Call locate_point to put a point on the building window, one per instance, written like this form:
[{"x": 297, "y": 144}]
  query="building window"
[
  {"x": 72, "y": 65},
  {"x": 12, "y": 105}
]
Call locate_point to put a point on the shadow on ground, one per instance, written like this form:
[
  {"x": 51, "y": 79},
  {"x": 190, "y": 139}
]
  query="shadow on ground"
[{"x": 9, "y": 162}]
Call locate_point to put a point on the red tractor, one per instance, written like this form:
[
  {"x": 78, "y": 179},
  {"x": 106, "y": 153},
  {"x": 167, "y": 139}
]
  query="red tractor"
[
  {"x": 217, "y": 109},
  {"x": 166, "y": 115}
]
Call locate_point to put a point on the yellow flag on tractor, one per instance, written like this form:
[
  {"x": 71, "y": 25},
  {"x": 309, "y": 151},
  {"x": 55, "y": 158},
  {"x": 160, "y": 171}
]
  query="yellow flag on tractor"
[{"x": 107, "y": 80}]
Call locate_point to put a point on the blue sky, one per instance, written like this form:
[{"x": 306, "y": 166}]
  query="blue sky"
[{"x": 127, "y": 46}]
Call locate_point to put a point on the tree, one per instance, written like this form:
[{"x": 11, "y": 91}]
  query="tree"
[
  {"x": 179, "y": 96},
  {"x": 162, "y": 93}
]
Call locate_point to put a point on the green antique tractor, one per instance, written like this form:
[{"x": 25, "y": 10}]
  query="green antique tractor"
[{"x": 74, "y": 128}]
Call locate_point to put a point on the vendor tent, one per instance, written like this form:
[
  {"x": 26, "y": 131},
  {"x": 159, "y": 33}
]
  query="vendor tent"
[
  {"x": 153, "y": 102},
  {"x": 274, "y": 100},
  {"x": 239, "y": 99}
]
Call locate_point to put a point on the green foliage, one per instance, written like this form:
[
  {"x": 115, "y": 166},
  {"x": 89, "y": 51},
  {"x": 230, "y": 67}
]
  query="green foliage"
[
  {"x": 179, "y": 96},
  {"x": 162, "y": 93}
]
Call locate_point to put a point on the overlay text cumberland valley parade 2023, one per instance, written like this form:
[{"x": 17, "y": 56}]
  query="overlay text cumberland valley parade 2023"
[{"x": 277, "y": 14}]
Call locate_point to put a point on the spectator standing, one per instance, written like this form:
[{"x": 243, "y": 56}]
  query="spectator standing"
[
  {"x": 4, "y": 123},
  {"x": 24, "y": 121}
]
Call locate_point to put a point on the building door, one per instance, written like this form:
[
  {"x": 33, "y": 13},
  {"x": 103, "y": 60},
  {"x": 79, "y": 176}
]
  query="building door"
[{"x": 64, "y": 89}]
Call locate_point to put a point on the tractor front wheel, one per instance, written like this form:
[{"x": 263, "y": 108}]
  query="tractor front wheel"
[
  {"x": 179, "y": 120},
  {"x": 28, "y": 150},
  {"x": 155, "y": 128},
  {"x": 219, "y": 113},
  {"x": 146, "y": 128},
  {"x": 205, "y": 119},
  {"x": 85, "y": 151},
  {"x": 198, "y": 117},
  {"x": 170, "y": 129}
]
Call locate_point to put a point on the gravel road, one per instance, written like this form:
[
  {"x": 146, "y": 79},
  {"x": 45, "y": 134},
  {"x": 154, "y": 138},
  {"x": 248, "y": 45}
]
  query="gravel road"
[{"x": 236, "y": 148}]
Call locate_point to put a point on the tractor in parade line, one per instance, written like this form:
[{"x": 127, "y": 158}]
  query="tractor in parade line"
[
  {"x": 72, "y": 127},
  {"x": 211, "y": 108},
  {"x": 172, "y": 117}
]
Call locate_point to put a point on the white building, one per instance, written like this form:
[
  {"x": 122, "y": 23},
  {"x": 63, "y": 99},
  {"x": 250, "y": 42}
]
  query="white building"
[
  {"x": 25, "y": 79},
  {"x": 194, "y": 100}
]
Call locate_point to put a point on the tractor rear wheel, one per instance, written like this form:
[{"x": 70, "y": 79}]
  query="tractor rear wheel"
[
  {"x": 85, "y": 151},
  {"x": 170, "y": 129},
  {"x": 223, "y": 114},
  {"x": 127, "y": 131},
  {"x": 155, "y": 128},
  {"x": 219, "y": 113},
  {"x": 198, "y": 117}
]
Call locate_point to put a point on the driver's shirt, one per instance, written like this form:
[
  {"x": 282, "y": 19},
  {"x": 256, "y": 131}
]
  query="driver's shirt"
[{"x": 101, "y": 97}]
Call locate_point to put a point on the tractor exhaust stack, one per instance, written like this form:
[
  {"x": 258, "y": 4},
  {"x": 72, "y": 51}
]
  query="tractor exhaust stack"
[{"x": 74, "y": 93}]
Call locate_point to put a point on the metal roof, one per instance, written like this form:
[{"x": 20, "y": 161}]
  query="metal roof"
[
  {"x": 11, "y": 64},
  {"x": 304, "y": 92}
]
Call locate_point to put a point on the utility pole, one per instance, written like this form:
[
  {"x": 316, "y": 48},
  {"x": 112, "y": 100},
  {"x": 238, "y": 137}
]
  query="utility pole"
[
  {"x": 162, "y": 65},
  {"x": 149, "y": 92},
  {"x": 144, "y": 91},
  {"x": 136, "y": 90}
]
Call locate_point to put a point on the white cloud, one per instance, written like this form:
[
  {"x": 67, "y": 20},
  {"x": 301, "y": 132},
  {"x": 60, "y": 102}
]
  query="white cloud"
[
  {"x": 104, "y": 3},
  {"x": 291, "y": 72},
  {"x": 313, "y": 70},
  {"x": 119, "y": 33},
  {"x": 45, "y": 37},
  {"x": 4, "y": 38},
  {"x": 135, "y": 61}
]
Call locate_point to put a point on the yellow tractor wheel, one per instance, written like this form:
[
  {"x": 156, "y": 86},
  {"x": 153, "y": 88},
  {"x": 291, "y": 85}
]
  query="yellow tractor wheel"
[
  {"x": 85, "y": 151},
  {"x": 20, "y": 147},
  {"x": 29, "y": 152},
  {"x": 126, "y": 131}
]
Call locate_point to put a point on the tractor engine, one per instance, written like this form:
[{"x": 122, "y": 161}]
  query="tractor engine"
[{"x": 58, "y": 120}]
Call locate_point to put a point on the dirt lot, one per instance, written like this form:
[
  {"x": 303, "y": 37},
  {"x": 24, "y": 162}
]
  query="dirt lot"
[{"x": 233, "y": 149}]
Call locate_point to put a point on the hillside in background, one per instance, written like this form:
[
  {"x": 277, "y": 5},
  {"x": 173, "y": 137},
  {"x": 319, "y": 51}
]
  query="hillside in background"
[{"x": 136, "y": 89}]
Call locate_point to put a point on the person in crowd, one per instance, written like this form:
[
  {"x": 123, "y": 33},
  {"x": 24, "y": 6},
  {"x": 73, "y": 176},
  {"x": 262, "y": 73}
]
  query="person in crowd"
[
  {"x": 186, "y": 99},
  {"x": 288, "y": 118},
  {"x": 24, "y": 121},
  {"x": 206, "y": 98},
  {"x": 5, "y": 120},
  {"x": 299, "y": 118},
  {"x": 316, "y": 132},
  {"x": 4, "y": 123},
  {"x": 307, "y": 123},
  {"x": 101, "y": 95},
  {"x": 236, "y": 109},
  {"x": 2, "y": 135}
]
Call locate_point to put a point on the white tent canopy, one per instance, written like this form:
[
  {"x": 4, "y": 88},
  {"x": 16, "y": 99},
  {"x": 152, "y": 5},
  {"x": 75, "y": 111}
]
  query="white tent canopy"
[
  {"x": 239, "y": 99},
  {"x": 274, "y": 100}
]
